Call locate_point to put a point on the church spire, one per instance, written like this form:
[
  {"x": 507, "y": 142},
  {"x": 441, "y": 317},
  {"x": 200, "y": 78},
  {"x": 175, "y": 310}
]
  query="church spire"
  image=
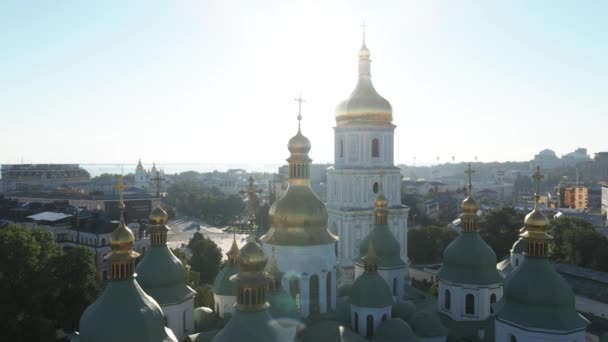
[
  {"x": 158, "y": 219},
  {"x": 122, "y": 257},
  {"x": 469, "y": 207},
  {"x": 299, "y": 145},
  {"x": 370, "y": 260},
  {"x": 535, "y": 235}
]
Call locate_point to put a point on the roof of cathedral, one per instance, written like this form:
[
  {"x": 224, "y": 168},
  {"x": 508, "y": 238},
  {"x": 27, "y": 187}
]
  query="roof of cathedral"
[
  {"x": 282, "y": 305},
  {"x": 161, "y": 274},
  {"x": 371, "y": 291},
  {"x": 468, "y": 259},
  {"x": 427, "y": 323},
  {"x": 124, "y": 312},
  {"x": 535, "y": 295},
  {"x": 518, "y": 246},
  {"x": 299, "y": 217},
  {"x": 394, "y": 329},
  {"x": 327, "y": 330},
  {"x": 364, "y": 104},
  {"x": 461, "y": 331},
  {"x": 222, "y": 286},
  {"x": 254, "y": 326}
]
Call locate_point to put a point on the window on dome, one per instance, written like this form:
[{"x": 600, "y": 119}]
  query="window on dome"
[
  {"x": 492, "y": 301},
  {"x": 328, "y": 291},
  {"x": 184, "y": 321},
  {"x": 383, "y": 317},
  {"x": 375, "y": 148},
  {"x": 314, "y": 293},
  {"x": 103, "y": 241},
  {"x": 294, "y": 290},
  {"x": 341, "y": 148},
  {"x": 376, "y": 187},
  {"x": 447, "y": 301},
  {"x": 370, "y": 326},
  {"x": 469, "y": 305},
  {"x": 512, "y": 338},
  {"x": 105, "y": 275},
  {"x": 356, "y": 322}
]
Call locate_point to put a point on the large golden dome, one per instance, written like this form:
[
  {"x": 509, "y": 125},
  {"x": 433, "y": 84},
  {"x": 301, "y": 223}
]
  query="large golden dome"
[
  {"x": 536, "y": 219},
  {"x": 469, "y": 205},
  {"x": 251, "y": 257},
  {"x": 299, "y": 144},
  {"x": 122, "y": 237},
  {"x": 364, "y": 104},
  {"x": 158, "y": 216}
]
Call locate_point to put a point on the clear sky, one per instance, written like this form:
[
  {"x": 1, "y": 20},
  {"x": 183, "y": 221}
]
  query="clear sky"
[{"x": 214, "y": 81}]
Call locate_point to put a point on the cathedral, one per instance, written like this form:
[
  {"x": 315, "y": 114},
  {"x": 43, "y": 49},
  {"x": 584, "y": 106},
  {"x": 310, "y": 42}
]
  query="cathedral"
[{"x": 339, "y": 271}]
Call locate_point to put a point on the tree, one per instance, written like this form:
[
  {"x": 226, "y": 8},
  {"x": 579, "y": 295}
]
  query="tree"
[
  {"x": 42, "y": 288},
  {"x": 576, "y": 242},
  {"x": 426, "y": 245},
  {"x": 204, "y": 297},
  {"x": 192, "y": 277},
  {"x": 499, "y": 228},
  {"x": 206, "y": 259}
]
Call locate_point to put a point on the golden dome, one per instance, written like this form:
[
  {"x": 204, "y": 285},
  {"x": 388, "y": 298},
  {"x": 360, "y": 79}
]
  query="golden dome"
[
  {"x": 381, "y": 202},
  {"x": 234, "y": 250},
  {"x": 536, "y": 219},
  {"x": 364, "y": 104},
  {"x": 469, "y": 205},
  {"x": 274, "y": 270},
  {"x": 299, "y": 144},
  {"x": 158, "y": 216},
  {"x": 251, "y": 257},
  {"x": 122, "y": 237}
]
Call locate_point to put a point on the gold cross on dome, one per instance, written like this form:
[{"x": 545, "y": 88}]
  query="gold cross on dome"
[
  {"x": 299, "y": 100},
  {"x": 251, "y": 190},
  {"x": 157, "y": 179},
  {"x": 469, "y": 171},
  {"x": 537, "y": 178},
  {"x": 363, "y": 27},
  {"x": 120, "y": 186}
]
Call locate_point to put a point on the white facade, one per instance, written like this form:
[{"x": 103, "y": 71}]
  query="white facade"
[
  {"x": 224, "y": 304},
  {"x": 352, "y": 187},
  {"x": 394, "y": 277},
  {"x": 360, "y": 316},
  {"x": 453, "y": 299},
  {"x": 306, "y": 269},
  {"x": 505, "y": 332},
  {"x": 179, "y": 318}
]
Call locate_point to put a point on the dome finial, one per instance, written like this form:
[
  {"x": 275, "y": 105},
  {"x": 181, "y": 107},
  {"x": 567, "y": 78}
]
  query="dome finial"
[
  {"x": 370, "y": 260},
  {"x": 251, "y": 191},
  {"x": 537, "y": 178},
  {"x": 299, "y": 100},
  {"x": 122, "y": 257},
  {"x": 363, "y": 27},
  {"x": 535, "y": 224}
]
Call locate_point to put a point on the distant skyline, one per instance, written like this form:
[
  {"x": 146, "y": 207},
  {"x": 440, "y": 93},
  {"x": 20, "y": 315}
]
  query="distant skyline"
[{"x": 214, "y": 81}]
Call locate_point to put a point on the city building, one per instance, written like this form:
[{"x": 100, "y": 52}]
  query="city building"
[
  {"x": 596, "y": 169},
  {"x": 573, "y": 196},
  {"x": 145, "y": 178},
  {"x": 575, "y": 157},
  {"x": 546, "y": 160},
  {"x": 28, "y": 177},
  {"x": 363, "y": 154}
]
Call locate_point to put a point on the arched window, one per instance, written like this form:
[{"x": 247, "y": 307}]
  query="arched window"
[
  {"x": 328, "y": 291},
  {"x": 370, "y": 326},
  {"x": 469, "y": 304},
  {"x": 356, "y": 322},
  {"x": 512, "y": 338},
  {"x": 217, "y": 308},
  {"x": 516, "y": 262},
  {"x": 184, "y": 321},
  {"x": 447, "y": 301},
  {"x": 394, "y": 286},
  {"x": 492, "y": 301},
  {"x": 105, "y": 275},
  {"x": 376, "y": 187},
  {"x": 294, "y": 290},
  {"x": 383, "y": 317},
  {"x": 247, "y": 297},
  {"x": 341, "y": 148},
  {"x": 375, "y": 148},
  {"x": 314, "y": 293},
  {"x": 103, "y": 241},
  {"x": 166, "y": 321}
]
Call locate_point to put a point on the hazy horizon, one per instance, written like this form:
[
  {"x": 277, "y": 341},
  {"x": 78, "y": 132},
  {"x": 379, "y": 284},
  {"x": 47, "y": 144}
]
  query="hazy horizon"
[{"x": 213, "y": 82}]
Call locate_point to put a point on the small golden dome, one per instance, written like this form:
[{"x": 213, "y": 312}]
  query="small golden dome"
[
  {"x": 536, "y": 219},
  {"x": 299, "y": 144},
  {"x": 381, "y": 202},
  {"x": 251, "y": 257},
  {"x": 158, "y": 216},
  {"x": 122, "y": 238},
  {"x": 274, "y": 270},
  {"x": 469, "y": 205},
  {"x": 364, "y": 52},
  {"x": 234, "y": 250}
]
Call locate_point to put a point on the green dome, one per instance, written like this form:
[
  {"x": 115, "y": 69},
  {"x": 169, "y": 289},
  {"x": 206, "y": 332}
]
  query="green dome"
[
  {"x": 518, "y": 246},
  {"x": 204, "y": 319},
  {"x": 536, "y": 296},
  {"x": 394, "y": 330},
  {"x": 162, "y": 275},
  {"x": 427, "y": 323},
  {"x": 252, "y": 326},
  {"x": 403, "y": 310},
  {"x": 222, "y": 286},
  {"x": 371, "y": 291},
  {"x": 469, "y": 260},
  {"x": 344, "y": 290},
  {"x": 124, "y": 312},
  {"x": 282, "y": 305},
  {"x": 387, "y": 248},
  {"x": 343, "y": 310}
]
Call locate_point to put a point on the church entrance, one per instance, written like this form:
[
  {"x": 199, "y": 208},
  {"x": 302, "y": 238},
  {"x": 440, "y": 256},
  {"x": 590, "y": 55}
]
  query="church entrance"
[{"x": 315, "y": 307}]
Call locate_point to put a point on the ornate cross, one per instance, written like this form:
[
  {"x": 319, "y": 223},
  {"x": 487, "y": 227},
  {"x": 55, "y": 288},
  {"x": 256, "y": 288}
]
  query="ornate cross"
[
  {"x": 363, "y": 27},
  {"x": 299, "y": 100},
  {"x": 120, "y": 186},
  {"x": 251, "y": 190},
  {"x": 537, "y": 178},
  {"x": 157, "y": 179},
  {"x": 469, "y": 171}
]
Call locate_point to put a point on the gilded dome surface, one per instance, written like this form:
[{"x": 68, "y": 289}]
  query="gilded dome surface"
[
  {"x": 536, "y": 219},
  {"x": 364, "y": 103},
  {"x": 469, "y": 205},
  {"x": 158, "y": 216},
  {"x": 122, "y": 238},
  {"x": 299, "y": 144},
  {"x": 381, "y": 202},
  {"x": 251, "y": 257}
]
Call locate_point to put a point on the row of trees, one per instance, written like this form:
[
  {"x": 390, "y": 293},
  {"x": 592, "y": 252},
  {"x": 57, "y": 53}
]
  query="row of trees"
[
  {"x": 42, "y": 286},
  {"x": 193, "y": 198},
  {"x": 575, "y": 241}
]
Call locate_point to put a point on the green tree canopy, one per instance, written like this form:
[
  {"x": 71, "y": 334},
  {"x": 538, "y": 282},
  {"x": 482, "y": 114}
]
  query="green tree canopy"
[
  {"x": 425, "y": 245},
  {"x": 42, "y": 288},
  {"x": 576, "y": 242},
  {"x": 500, "y": 227},
  {"x": 206, "y": 259}
]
